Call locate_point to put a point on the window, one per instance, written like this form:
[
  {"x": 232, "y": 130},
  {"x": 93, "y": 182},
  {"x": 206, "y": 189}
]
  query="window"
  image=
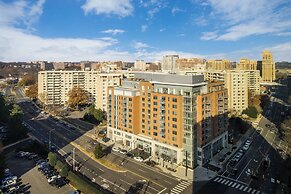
[
  {"x": 174, "y": 132},
  {"x": 174, "y": 99},
  {"x": 155, "y": 134},
  {"x": 174, "y": 119},
  {"x": 174, "y": 126},
  {"x": 174, "y": 106}
]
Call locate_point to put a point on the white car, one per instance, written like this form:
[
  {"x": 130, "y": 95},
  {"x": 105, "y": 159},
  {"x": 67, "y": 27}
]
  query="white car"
[
  {"x": 139, "y": 159},
  {"x": 105, "y": 186},
  {"x": 51, "y": 179},
  {"x": 115, "y": 149},
  {"x": 123, "y": 151},
  {"x": 246, "y": 147},
  {"x": 248, "y": 172}
]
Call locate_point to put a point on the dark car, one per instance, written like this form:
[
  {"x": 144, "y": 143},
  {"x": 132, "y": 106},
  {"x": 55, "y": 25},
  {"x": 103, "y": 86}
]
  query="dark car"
[
  {"x": 106, "y": 139},
  {"x": 129, "y": 154},
  {"x": 60, "y": 182}
]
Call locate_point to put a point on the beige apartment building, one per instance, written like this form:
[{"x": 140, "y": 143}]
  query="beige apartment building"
[
  {"x": 191, "y": 64},
  {"x": 222, "y": 64},
  {"x": 158, "y": 113},
  {"x": 246, "y": 64},
  {"x": 237, "y": 86},
  {"x": 54, "y": 86},
  {"x": 268, "y": 67},
  {"x": 169, "y": 63},
  {"x": 233, "y": 82}
]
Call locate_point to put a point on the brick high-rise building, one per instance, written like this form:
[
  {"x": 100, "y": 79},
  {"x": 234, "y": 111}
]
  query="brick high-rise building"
[
  {"x": 158, "y": 113},
  {"x": 219, "y": 64}
]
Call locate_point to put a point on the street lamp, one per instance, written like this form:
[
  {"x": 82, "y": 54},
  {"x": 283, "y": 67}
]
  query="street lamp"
[{"x": 74, "y": 159}]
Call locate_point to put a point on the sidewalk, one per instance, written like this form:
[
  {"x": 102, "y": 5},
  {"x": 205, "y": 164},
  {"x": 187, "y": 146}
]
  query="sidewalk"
[{"x": 180, "y": 172}]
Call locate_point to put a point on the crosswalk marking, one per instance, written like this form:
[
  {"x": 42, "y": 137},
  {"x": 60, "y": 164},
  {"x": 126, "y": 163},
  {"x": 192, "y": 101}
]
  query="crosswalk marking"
[
  {"x": 235, "y": 184},
  {"x": 182, "y": 186}
]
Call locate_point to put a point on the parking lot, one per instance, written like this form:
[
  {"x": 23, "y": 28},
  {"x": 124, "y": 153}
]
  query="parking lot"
[{"x": 30, "y": 179}]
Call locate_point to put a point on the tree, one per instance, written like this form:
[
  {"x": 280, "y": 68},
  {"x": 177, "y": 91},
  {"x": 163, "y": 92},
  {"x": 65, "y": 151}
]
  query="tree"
[
  {"x": 94, "y": 115},
  {"x": 64, "y": 171},
  {"x": 98, "y": 151},
  {"x": 4, "y": 111},
  {"x": 27, "y": 80},
  {"x": 251, "y": 112},
  {"x": 32, "y": 92},
  {"x": 15, "y": 128},
  {"x": 52, "y": 157},
  {"x": 77, "y": 96}
]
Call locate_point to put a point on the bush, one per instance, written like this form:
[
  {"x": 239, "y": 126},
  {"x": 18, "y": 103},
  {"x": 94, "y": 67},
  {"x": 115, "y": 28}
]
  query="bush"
[
  {"x": 52, "y": 157},
  {"x": 81, "y": 184},
  {"x": 251, "y": 112},
  {"x": 98, "y": 151}
]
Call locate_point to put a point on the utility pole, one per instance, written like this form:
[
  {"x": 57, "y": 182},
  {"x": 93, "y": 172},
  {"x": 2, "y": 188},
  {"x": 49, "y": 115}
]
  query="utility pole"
[
  {"x": 186, "y": 163},
  {"x": 74, "y": 159}
]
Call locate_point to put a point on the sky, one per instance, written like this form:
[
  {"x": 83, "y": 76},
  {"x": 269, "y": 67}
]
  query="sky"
[{"x": 129, "y": 30}]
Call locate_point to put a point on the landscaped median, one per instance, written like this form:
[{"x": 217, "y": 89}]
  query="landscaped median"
[
  {"x": 101, "y": 161},
  {"x": 81, "y": 184}
]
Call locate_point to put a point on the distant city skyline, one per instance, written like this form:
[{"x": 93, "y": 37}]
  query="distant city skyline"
[{"x": 129, "y": 30}]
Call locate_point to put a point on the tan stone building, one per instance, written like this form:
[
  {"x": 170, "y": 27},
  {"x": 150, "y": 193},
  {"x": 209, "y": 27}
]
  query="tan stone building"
[
  {"x": 54, "y": 86},
  {"x": 222, "y": 64},
  {"x": 191, "y": 64},
  {"x": 237, "y": 86},
  {"x": 246, "y": 64},
  {"x": 268, "y": 67}
]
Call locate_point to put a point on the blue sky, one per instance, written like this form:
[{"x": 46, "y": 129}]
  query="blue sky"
[{"x": 75, "y": 30}]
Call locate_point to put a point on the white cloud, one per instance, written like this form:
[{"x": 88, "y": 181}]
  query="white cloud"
[
  {"x": 144, "y": 28},
  {"x": 121, "y": 8},
  {"x": 162, "y": 29},
  {"x": 113, "y": 31},
  {"x": 209, "y": 35},
  {"x": 153, "y": 6},
  {"x": 139, "y": 45},
  {"x": 176, "y": 10},
  {"x": 245, "y": 18},
  {"x": 201, "y": 21},
  {"x": 281, "y": 52}
]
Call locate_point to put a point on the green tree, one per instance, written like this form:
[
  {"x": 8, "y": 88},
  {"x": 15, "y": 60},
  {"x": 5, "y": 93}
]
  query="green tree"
[
  {"x": 64, "y": 170},
  {"x": 52, "y": 157},
  {"x": 251, "y": 112},
  {"x": 94, "y": 115},
  {"x": 77, "y": 96},
  {"x": 4, "y": 111},
  {"x": 98, "y": 151},
  {"x": 15, "y": 128}
]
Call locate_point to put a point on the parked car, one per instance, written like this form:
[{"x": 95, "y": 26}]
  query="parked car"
[
  {"x": 123, "y": 151},
  {"x": 105, "y": 139},
  {"x": 129, "y": 154},
  {"x": 59, "y": 182},
  {"x": 115, "y": 149},
  {"x": 139, "y": 159},
  {"x": 51, "y": 179},
  {"x": 246, "y": 147}
]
